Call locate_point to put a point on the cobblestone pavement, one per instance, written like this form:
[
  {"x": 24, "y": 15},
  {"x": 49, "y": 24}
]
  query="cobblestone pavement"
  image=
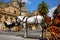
[
  {"x": 12, "y": 37},
  {"x": 17, "y": 35}
]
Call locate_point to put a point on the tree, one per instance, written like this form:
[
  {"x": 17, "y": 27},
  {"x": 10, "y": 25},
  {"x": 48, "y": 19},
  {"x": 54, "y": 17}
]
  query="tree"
[{"x": 43, "y": 8}]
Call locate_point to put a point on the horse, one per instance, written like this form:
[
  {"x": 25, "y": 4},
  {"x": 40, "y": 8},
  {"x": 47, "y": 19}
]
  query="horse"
[
  {"x": 25, "y": 20},
  {"x": 11, "y": 25}
]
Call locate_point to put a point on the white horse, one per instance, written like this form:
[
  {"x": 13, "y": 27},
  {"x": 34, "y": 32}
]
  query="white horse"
[
  {"x": 31, "y": 20},
  {"x": 24, "y": 20}
]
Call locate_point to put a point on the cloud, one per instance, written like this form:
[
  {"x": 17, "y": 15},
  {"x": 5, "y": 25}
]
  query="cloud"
[
  {"x": 27, "y": 1},
  {"x": 51, "y": 12}
]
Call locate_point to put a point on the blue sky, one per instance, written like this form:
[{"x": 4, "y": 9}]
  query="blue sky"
[
  {"x": 35, "y": 3},
  {"x": 31, "y": 5}
]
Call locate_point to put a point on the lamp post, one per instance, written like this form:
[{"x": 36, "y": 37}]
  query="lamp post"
[
  {"x": 20, "y": 5},
  {"x": 24, "y": 24}
]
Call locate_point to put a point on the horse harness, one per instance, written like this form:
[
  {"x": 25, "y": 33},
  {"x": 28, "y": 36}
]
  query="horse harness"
[{"x": 24, "y": 19}]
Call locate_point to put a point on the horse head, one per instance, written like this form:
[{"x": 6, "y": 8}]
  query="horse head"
[{"x": 17, "y": 21}]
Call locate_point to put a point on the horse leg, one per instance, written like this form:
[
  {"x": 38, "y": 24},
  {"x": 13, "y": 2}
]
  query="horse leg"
[
  {"x": 9, "y": 29},
  {"x": 25, "y": 30}
]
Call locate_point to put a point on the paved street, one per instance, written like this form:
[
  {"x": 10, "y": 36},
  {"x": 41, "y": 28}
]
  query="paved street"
[
  {"x": 30, "y": 33},
  {"x": 12, "y": 37},
  {"x": 35, "y": 35}
]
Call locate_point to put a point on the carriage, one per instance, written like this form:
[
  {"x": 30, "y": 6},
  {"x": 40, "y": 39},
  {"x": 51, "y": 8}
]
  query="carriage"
[{"x": 53, "y": 31}]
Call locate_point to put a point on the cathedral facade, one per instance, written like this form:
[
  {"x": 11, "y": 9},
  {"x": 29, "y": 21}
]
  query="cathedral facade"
[{"x": 9, "y": 11}]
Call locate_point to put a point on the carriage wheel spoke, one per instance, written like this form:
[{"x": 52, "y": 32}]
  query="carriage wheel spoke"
[{"x": 52, "y": 34}]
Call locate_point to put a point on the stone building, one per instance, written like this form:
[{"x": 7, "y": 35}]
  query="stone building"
[
  {"x": 35, "y": 13},
  {"x": 8, "y": 11}
]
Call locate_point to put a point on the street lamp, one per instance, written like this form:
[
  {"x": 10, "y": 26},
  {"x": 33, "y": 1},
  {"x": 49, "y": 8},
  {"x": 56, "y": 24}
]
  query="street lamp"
[
  {"x": 24, "y": 24},
  {"x": 20, "y": 5}
]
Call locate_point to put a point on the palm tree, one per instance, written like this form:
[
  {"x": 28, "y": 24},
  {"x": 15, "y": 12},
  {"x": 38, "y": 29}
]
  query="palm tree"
[{"x": 43, "y": 8}]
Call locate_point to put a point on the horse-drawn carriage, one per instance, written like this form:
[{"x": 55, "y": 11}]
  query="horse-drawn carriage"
[{"x": 53, "y": 31}]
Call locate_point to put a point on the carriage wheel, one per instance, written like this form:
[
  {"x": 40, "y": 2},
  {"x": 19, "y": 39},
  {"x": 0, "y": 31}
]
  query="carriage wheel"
[{"x": 50, "y": 35}]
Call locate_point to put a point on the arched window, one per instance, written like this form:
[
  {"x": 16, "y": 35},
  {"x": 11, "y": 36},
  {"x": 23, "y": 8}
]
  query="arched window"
[
  {"x": 6, "y": 17},
  {"x": 0, "y": 17},
  {"x": 14, "y": 11},
  {"x": 11, "y": 18}
]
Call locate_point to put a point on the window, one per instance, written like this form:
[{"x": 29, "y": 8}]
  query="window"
[
  {"x": 11, "y": 18},
  {"x": 6, "y": 18},
  {"x": 14, "y": 11},
  {"x": 0, "y": 17}
]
